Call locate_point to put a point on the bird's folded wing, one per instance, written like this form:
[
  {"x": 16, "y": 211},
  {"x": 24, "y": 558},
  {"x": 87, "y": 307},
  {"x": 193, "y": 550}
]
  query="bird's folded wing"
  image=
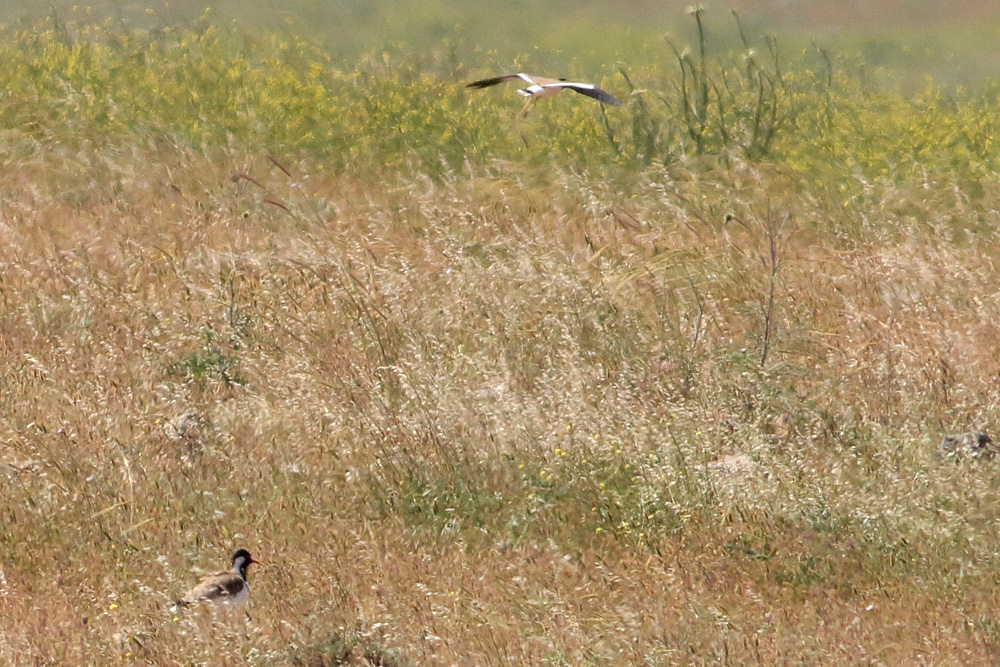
[{"x": 215, "y": 587}]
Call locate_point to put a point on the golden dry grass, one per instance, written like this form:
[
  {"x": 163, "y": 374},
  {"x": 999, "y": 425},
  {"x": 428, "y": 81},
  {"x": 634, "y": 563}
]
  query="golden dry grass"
[
  {"x": 591, "y": 389},
  {"x": 473, "y": 422}
]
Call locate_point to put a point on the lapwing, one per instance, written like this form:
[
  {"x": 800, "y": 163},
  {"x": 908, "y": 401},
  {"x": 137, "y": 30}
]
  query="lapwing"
[
  {"x": 228, "y": 589},
  {"x": 540, "y": 86}
]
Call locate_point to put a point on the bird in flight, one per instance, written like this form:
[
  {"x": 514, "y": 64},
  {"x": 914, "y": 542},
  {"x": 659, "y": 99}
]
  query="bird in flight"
[
  {"x": 540, "y": 86},
  {"x": 228, "y": 589}
]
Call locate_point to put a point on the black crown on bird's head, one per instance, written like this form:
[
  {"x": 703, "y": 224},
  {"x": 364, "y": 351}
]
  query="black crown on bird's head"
[{"x": 241, "y": 559}]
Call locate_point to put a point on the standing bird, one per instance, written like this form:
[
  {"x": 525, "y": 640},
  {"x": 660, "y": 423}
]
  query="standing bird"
[
  {"x": 228, "y": 589},
  {"x": 539, "y": 86}
]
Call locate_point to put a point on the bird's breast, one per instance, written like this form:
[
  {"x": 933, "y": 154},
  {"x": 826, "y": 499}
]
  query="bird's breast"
[
  {"x": 542, "y": 91},
  {"x": 239, "y": 599}
]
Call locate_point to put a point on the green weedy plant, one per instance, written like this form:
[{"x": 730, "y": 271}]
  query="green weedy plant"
[
  {"x": 209, "y": 362},
  {"x": 645, "y": 139},
  {"x": 734, "y": 105}
]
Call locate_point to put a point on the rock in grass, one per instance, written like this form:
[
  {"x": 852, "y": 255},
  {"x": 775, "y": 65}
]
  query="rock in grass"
[
  {"x": 975, "y": 445},
  {"x": 187, "y": 429},
  {"x": 734, "y": 464},
  {"x": 187, "y": 426}
]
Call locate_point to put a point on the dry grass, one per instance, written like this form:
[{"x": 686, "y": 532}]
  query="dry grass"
[
  {"x": 473, "y": 423},
  {"x": 580, "y": 399}
]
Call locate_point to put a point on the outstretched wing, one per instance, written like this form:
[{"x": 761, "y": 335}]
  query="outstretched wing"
[
  {"x": 486, "y": 83},
  {"x": 588, "y": 89}
]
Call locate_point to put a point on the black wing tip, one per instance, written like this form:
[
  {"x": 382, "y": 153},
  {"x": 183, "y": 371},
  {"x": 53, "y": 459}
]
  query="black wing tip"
[
  {"x": 486, "y": 83},
  {"x": 599, "y": 95}
]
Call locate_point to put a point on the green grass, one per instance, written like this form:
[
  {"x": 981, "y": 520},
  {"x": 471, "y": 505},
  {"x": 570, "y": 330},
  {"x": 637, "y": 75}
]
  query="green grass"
[
  {"x": 649, "y": 385},
  {"x": 207, "y": 88}
]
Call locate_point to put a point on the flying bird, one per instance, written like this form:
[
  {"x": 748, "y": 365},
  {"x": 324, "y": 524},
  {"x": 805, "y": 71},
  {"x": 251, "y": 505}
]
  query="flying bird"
[
  {"x": 540, "y": 86},
  {"x": 228, "y": 589}
]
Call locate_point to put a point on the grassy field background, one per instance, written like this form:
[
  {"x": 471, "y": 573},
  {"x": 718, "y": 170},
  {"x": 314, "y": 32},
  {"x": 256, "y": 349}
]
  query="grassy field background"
[
  {"x": 951, "y": 41},
  {"x": 652, "y": 385}
]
